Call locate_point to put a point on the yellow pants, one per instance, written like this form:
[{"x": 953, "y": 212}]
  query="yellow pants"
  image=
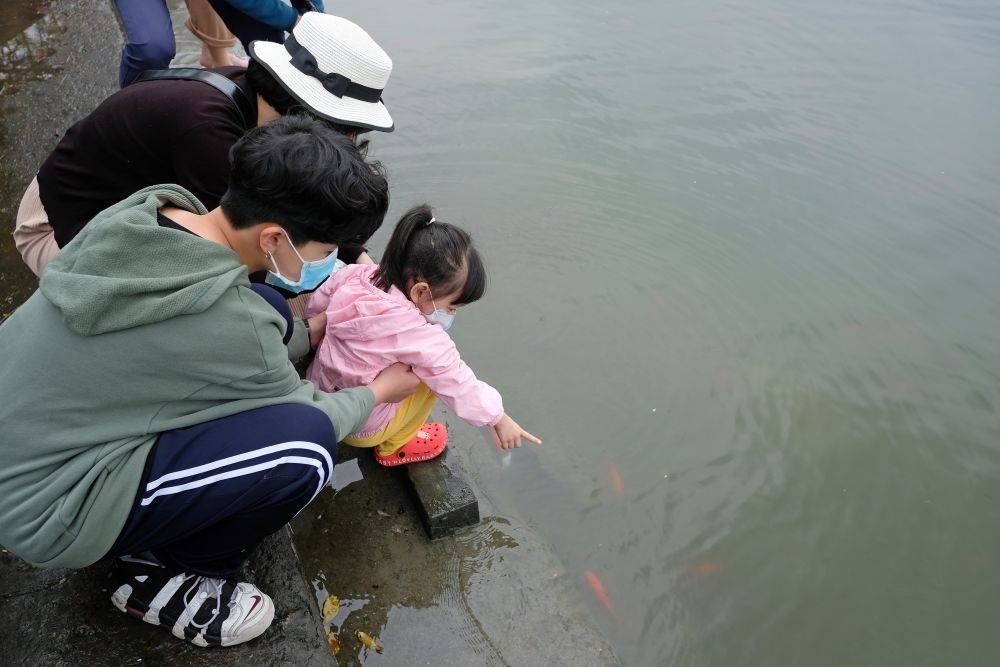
[{"x": 412, "y": 413}]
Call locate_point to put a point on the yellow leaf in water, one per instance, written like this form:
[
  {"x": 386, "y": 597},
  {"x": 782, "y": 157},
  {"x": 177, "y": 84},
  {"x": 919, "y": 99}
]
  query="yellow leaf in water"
[
  {"x": 333, "y": 640},
  {"x": 331, "y": 607},
  {"x": 369, "y": 641}
]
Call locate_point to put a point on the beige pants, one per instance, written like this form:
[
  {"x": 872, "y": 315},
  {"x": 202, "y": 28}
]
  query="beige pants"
[
  {"x": 206, "y": 25},
  {"x": 33, "y": 236}
]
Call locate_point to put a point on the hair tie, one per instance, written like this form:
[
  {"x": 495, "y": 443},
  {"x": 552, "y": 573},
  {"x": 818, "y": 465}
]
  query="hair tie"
[{"x": 431, "y": 220}]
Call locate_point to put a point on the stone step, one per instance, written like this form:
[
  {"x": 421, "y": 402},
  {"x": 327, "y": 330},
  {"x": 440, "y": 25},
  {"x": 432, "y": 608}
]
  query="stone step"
[{"x": 444, "y": 498}]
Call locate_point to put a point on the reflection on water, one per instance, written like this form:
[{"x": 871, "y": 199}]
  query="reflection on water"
[{"x": 346, "y": 473}]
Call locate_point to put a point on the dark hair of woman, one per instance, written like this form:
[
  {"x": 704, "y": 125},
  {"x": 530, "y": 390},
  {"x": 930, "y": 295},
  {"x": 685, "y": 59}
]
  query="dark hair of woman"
[
  {"x": 275, "y": 94},
  {"x": 438, "y": 253}
]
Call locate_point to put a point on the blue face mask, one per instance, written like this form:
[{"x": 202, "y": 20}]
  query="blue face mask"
[
  {"x": 440, "y": 317},
  {"x": 313, "y": 273}
]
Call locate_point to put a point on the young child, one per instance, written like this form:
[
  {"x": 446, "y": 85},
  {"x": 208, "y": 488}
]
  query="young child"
[{"x": 400, "y": 311}]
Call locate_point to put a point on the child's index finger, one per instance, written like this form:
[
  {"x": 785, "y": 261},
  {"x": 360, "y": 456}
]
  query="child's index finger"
[{"x": 528, "y": 436}]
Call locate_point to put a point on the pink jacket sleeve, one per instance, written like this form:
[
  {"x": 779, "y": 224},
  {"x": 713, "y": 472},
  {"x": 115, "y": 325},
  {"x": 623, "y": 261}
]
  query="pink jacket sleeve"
[
  {"x": 320, "y": 299},
  {"x": 436, "y": 361}
]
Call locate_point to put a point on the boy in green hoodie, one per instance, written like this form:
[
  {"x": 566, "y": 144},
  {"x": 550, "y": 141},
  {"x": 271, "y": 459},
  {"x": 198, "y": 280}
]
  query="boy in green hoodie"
[{"x": 151, "y": 412}]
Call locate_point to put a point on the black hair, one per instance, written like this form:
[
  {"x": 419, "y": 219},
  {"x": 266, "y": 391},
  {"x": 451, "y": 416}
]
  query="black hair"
[
  {"x": 274, "y": 93},
  {"x": 433, "y": 252},
  {"x": 300, "y": 173}
]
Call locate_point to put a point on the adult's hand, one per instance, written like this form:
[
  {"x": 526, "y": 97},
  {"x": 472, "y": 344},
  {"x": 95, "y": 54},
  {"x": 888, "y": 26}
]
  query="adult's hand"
[
  {"x": 317, "y": 329},
  {"x": 394, "y": 383}
]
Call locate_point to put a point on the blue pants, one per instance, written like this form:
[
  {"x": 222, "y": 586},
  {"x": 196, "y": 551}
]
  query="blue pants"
[
  {"x": 246, "y": 28},
  {"x": 211, "y": 492},
  {"x": 149, "y": 37}
]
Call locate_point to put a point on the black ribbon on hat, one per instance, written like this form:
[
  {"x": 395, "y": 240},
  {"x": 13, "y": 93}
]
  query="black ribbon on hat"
[{"x": 337, "y": 84}]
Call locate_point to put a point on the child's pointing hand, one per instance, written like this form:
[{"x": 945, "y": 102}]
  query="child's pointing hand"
[{"x": 507, "y": 434}]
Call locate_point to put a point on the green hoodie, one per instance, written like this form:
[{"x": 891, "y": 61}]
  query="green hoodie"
[{"x": 135, "y": 329}]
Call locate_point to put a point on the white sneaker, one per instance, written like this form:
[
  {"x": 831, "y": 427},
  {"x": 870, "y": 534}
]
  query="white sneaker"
[{"x": 202, "y": 610}]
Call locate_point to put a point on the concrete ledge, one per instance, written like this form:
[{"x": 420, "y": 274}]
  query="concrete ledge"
[{"x": 491, "y": 595}]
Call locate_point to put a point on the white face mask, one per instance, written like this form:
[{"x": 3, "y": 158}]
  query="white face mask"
[
  {"x": 440, "y": 317},
  {"x": 445, "y": 320}
]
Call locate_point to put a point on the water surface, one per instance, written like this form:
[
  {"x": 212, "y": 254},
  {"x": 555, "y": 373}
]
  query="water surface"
[
  {"x": 744, "y": 284},
  {"x": 746, "y": 253}
]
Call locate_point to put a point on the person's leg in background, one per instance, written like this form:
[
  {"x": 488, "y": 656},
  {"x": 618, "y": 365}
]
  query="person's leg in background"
[
  {"x": 149, "y": 37},
  {"x": 244, "y": 27},
  {"x": 210, "y": 493},
  {"x": 216, "y": 40}
]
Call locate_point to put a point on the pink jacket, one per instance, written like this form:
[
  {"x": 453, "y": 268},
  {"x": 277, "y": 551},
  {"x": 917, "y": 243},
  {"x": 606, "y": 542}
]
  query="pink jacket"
[{"x": 368, "y": 329}]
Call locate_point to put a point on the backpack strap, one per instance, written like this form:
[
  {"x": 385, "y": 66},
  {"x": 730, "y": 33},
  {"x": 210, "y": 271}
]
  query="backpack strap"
[{"x": 240, "y": 100}]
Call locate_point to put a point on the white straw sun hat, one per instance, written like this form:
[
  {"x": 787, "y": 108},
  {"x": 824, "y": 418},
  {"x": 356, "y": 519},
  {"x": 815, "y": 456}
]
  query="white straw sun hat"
[{"x": 332, "y": 66}]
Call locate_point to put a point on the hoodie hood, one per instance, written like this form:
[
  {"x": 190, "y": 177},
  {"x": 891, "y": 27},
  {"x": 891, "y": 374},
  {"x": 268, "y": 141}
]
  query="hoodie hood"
[{"x": 123, "y": 270}]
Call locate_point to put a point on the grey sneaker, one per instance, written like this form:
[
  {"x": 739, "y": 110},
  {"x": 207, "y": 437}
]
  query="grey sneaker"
[{"x": 202, "y": 610}]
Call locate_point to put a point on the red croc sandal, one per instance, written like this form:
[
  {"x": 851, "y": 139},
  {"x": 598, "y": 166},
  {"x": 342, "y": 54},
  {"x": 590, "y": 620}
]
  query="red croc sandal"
[{"x": 429, "y": 442}]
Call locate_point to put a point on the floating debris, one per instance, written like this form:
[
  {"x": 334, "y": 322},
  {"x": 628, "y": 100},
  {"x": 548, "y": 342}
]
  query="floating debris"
[
  {"x": 333, "y": 641},
  {"x": 346, "y": 473},
  {"x": 368, "y": 641},
  {"x": 331, "y": 607}
]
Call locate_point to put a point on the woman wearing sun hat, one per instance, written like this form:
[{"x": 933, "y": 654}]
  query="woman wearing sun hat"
[
  {"x": 327, "y": 64},
  {"x": 179, "y": 131}
]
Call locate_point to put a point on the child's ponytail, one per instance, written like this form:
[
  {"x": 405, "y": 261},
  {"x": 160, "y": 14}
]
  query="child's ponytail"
[
  {"x": 392, "y": 266},
  {"x": 441, "y": 254}
]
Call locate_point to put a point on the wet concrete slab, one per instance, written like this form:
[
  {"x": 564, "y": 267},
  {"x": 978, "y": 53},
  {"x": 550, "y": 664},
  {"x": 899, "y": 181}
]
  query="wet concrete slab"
[
  {"x": 490, "y": 594},
  {"x": 57, "y": 62}
]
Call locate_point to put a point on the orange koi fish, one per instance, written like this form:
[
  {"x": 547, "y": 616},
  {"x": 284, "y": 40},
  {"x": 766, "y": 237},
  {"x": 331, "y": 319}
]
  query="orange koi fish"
[
  {"x": 704, "y": 567},
  {"x": 599, "y": 592},
  {"x": 616, "y": 479}
]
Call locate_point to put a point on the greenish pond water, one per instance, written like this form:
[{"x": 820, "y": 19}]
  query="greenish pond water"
[
  {"x": 744, "y": 262},
  {"x": 747, "y": 254}
]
